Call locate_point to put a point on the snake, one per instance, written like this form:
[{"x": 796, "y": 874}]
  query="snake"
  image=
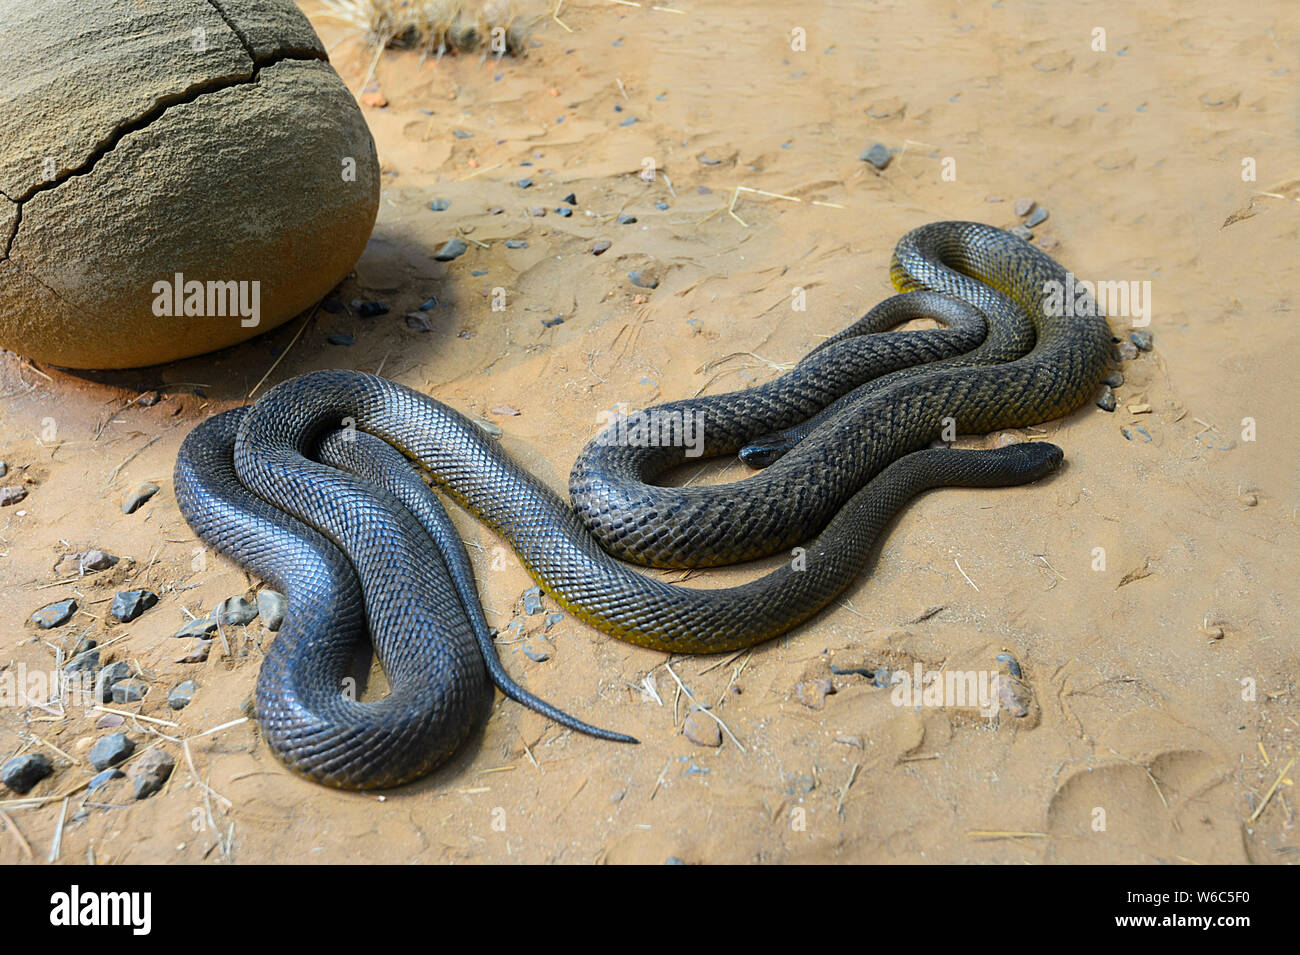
[{"x": 324, "y": 487}]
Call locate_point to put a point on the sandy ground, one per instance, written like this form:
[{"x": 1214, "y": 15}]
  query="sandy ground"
[{"x": 1148, "y": 740}]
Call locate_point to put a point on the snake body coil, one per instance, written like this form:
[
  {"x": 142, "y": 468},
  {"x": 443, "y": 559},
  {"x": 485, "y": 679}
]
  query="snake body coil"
[{"x": 1001, "y": 361}]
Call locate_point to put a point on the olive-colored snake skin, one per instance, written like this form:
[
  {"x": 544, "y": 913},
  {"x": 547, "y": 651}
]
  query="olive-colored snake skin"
[{"x": 241, "y": 475}]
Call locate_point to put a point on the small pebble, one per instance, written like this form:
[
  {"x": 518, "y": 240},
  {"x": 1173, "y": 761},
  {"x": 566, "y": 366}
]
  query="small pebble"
[
  {"x": 453, "y": 249},
  {"x": 107, "y": 776},
  {"x": 462, "y": 134},
  {"x": 150, "y": 772},
  {"x": 1107, "y": 400},
  {"x": 661, "y": 206},
  {"x": 342, "y": 339},
  {"x": 533, "y": 601},
  {"x": 21, "y": 773},
  {"x": 525, "y": 184},
  {"x": 110, "y": 750},
  {"x": 109, "y": 677},
  {"x": 55, "y": 614},
  {"x": 1214, "y": 631},
  {"x": 552, "y": 619},
  {"x": 146, "y": 399},
  {"x": 12, "y": 495},
  {"x": 1250, "y": 499},
  {"x": 198, "y": 655},
  {"x": 417, "y": 321},
  {"x": 1024, "y": 207},
  {"x": 878, "y": 155},
  {"x": 1139, "y": 409},
  {"x": 813, "y": 693},
  {"x": 642, "y": 281},
  {"x": 571, "y": 199},
  {"x": 129, "y": 604},
  {"x": 702, "y": 730},
  {"x": 1127, "y": 351},
  {"x": 537, "y": 212},
  {"x": 234, "y": 612},
  {"x": 1020, "y": 232},
  {"x": 490, "y": 428},
  {"x": 562, "y": 212},
  {"x": 131, "y": 690},
  {"x": 516, "y": 244},
  {"x": 198, "y": 628},
  {"x": 440, "y": 205},
  {"x": 1013, "y": 665},
  {"x": 96, "y": 560},
  {"x": 371, "y": 309},
  {"x": 271, "y": 605},
  {"x": 1141, "y": 337},
  {"x": 181, "y": 695},
  {"x": 4, "y": 469},
  {"x": 553, "y": 321},
  {"x": 428, "y": 304},
  {"x": 537, "y": 656},
  {"x": 625, "y": 219},
  {"x": 1037, "y": 217},
  {"x": 131, "y": 503},
  {"x": 1014, "y": 696},
  {"x": 1115, "y": 380},
  {"x": 600, "y": 247}
]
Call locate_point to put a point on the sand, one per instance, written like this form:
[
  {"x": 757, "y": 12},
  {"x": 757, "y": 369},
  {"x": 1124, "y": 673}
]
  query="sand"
[{"x": 1161, "y": 723}]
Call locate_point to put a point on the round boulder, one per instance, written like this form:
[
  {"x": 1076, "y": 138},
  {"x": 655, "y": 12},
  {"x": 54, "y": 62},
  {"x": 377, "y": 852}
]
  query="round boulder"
[{"x": 176, "y": 177}]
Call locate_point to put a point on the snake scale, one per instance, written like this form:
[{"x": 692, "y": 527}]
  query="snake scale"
[{"x": 318, "y": 488}]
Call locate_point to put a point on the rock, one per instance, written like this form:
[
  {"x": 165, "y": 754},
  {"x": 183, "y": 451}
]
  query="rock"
[
  {"x": 110, "y": 750},
  {"x": 537, "y": 212},
  {"x": 94, "y": 560},
  {"x": 533, "y": 600},
  {"x": 129, "y": 604},
  {"x": 625, "y": 219},
  {"x": 1127, "y": 351},
  {"x": 462, "y": 134},
  {"x": 452, "y": 249},
  {"x": 198, "y": 655},
  {"x": 525, "y": 184},
  {"x": 641, "y": 278},
  {"x": 147, "y": 399},
  {"x": 537, "y": 656},
  {"x": 1036, "y": 218},
  {"x": 1139, "y": 409},
  {"x": 234, "y": 612},
  {"x": 21, "y": 773},
  {"x": 813, "y": 693},
  {"x": 371, "y": 309},
  {"x": 1141, "y": 337},
  {"x": 198, "y": 628},
  {"x": 702, "y": 730},
  {"x": 562, "y": 212},
  {"x": 151, "y": 770},
  {"x": 516, "y": 243},
  {"x": 878, "y": 155},
  {"x": 107, "y": 776},
  {"x": 139, "y": 133},
  {"x": 55, "y": 614},
  {"x": 1024, "y": 207},
  {"x": 131, "y": 503},
  {"x": 13, "y": 493},
  {"x": 181, "y": 695},
  {"x": 130, "y": 690},
  {"x": 4, "y": 469},
  {"x": 271, "y": 605},
  {"x": 343, "y": 339},
  {"x": 571, "y": 199},
  {"x": 1020, "y": 232},
  {"x": 552, "y": 619},
  {"x": 109, "y": 677},
  {"x": 1106, "y": 400},
  {"x": 82, "y": 657},
  {"x": 374, "y": 99},
  {"x": 1249, "y": 499},
  {"x": 600, "y": 246},
  {"x": 1014, "y": 696},
  {"x": 1115, "y": 380}
]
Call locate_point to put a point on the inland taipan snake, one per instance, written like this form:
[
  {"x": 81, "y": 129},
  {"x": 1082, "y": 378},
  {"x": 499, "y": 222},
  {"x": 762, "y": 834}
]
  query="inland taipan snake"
[{"x": 318, "y": 488}]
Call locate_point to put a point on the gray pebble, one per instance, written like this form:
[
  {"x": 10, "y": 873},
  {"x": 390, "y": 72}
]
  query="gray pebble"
[
  {"x": 702, "y": 730},
  {"x": 1024, "y": 207},
  {"x": 198, "y": 628},
  {"x": 440, "y": 205},
  {"x": 490, "y": 427},
  {"x": 1037, "y": 217},
  {"x": 56, "y": 614},
  {"x": 1127, "y": 351},
  {"x": 1106, "y": 401},
  {"x": 131, "y": 503},
  {"x": 453, "y": 249},
  {"x": 23, "y": 772},
  {"x": 129, "y": 604},
  {"x": 625, "y": 219},
  {"x": 271, "y": 605},
  {"x": 12, "y": 495},
  {"x": 109, "y": 677},
  {"x": 552, "y": 619},
  {"x": 525, "y": 184},
  {"x": 600, "y": 246},
  {"x": 878, "y": 155},
  {"x": 151, "y": 770},
  {"x": 1115, "y": 380},
  {"x": 1021, "y": 232},
  {"x": 131, "y": 690},
  {"x": 107, "y": 776},
  {"x": 342, "y": 339},
  {"x": 110, "y": 750},
  {"x": 96, "y": 560},
  {"x": 537, "y": 212},
  {"x": 462, "y": 134},
  {"x": 537, "y": 656},
  {"x": 234, "y": 612},
  {"x": 4, "y": 469},
  {"x": 182, "y": 694},
  {"x": 533, "y": 600},
  {"x": 643, "y": 281},
  {"x": 83, "y": 657},
  {"x": 147, "y": 399},
  {"x": 1141, "y": 338},
  {"x": 516, "y": 244}
]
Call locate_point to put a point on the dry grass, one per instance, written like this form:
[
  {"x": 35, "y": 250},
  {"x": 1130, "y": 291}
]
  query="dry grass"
[{"x": 440, "y": 26}]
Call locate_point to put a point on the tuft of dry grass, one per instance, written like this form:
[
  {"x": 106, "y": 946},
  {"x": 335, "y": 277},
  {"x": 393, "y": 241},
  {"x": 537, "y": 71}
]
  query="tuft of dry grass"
[{"x": 440, "y": 26}]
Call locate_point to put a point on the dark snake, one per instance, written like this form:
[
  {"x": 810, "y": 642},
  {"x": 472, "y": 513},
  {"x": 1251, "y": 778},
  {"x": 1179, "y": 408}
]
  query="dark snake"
[{"x": 318, "y": 488}]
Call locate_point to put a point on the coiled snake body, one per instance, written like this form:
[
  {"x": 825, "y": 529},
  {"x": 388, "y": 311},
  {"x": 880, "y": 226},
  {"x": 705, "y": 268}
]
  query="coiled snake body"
[{"x": 305, "y": 485}]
